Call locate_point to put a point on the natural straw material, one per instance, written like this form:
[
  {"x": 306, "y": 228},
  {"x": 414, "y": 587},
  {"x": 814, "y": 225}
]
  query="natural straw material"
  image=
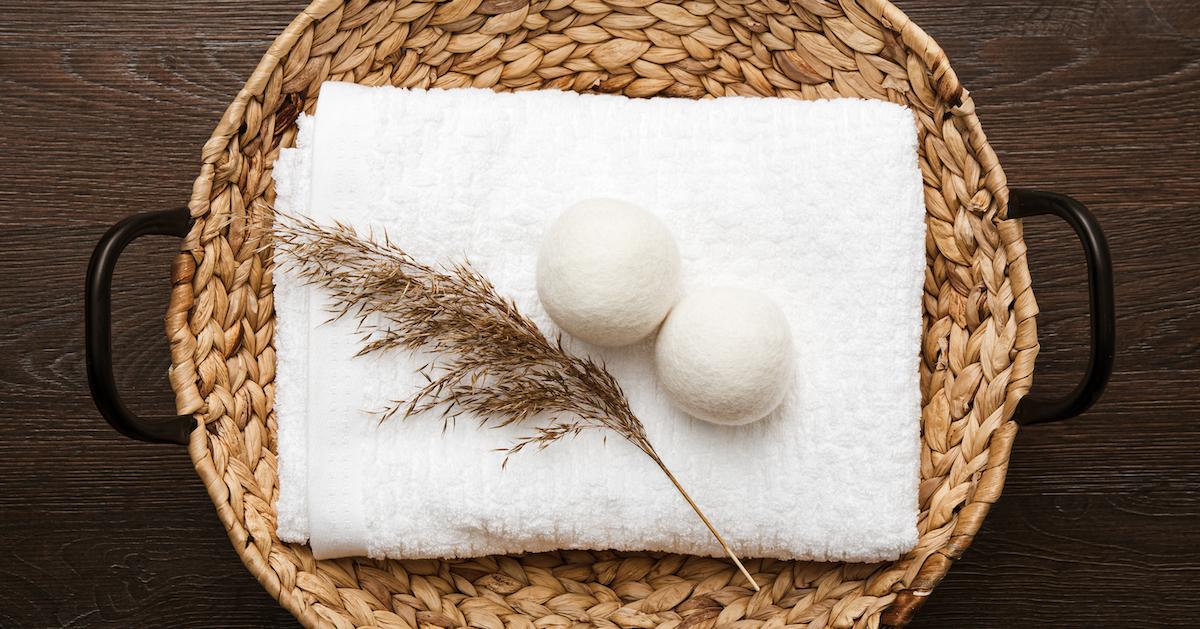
[
  {"x": 489, "y": 359},
  {"x": 979, "y": 341}
]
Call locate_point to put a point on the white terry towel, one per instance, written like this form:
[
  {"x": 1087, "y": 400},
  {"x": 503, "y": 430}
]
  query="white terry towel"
[{"x": 818, "y": 204}]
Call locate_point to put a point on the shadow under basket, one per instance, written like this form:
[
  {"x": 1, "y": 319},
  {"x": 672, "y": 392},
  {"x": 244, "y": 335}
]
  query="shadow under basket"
[{"x": 977, "y": 355}]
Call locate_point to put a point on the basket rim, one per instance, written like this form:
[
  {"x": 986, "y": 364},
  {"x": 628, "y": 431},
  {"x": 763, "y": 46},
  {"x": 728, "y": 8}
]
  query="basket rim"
[{"x": 220, "y": 151}]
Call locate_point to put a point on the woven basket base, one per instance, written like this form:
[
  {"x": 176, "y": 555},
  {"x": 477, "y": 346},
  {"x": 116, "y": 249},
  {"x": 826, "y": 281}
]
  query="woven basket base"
[{"x": 977, "y": 356}]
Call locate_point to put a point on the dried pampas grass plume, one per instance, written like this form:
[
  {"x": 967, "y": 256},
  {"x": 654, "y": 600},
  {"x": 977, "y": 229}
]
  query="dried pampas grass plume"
[{"x": 492, "y": 361}]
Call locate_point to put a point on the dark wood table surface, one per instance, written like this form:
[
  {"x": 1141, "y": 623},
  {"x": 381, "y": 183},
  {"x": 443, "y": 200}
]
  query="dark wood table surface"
[{"x": 104, "y": 107}]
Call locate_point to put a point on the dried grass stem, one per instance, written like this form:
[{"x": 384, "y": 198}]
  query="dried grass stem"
[{"x": 491, "y": 360}]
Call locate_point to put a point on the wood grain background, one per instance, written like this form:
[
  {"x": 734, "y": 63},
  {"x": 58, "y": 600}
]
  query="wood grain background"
[{"x": 104, "y": 107}]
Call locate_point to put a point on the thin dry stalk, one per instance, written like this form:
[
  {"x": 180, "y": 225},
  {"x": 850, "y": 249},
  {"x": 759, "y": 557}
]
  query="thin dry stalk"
[{"x": 493, "y": 362}]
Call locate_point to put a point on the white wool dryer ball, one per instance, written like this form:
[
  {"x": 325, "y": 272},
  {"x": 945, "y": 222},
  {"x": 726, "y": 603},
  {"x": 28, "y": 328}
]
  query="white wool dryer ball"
[
  {"x": 608, "y": 272},
  {"x": 724, "y": 355}
]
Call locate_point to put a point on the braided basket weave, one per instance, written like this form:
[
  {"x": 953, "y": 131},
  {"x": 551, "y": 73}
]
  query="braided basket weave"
[{"x": 979, "y": 328}]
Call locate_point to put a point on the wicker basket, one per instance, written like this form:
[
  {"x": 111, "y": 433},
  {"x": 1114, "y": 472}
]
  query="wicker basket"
[{"x": 979, "y": 342}]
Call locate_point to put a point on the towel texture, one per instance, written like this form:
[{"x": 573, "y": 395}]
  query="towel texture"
[{"x": 817, "y": 204}]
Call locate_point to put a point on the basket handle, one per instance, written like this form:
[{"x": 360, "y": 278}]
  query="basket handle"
[
  {"x": 1034, "y": 409},
  {"x": 98, "y": 327},
  {"x": 1022, "y": 204}
]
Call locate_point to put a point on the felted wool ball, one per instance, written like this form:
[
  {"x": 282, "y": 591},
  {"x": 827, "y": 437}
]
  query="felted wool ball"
[
  {"x": 724, "y": 355},
  {"x": 608, "y": 272}
]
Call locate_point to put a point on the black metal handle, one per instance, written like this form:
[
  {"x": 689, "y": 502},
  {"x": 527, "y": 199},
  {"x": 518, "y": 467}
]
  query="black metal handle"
[
  {"x": 1033, "y": 409},
  {"x": 98, "y": 335}
]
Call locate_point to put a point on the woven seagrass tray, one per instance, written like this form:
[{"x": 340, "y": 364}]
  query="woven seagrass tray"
[{"x": 977, "y": 355}]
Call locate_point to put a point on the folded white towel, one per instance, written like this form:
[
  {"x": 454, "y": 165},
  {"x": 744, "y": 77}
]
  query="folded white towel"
[{"x": 818, "y": 204}]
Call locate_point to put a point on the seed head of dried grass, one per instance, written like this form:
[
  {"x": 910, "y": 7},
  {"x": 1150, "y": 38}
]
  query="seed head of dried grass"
[{"x": 490, "y": 360}]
